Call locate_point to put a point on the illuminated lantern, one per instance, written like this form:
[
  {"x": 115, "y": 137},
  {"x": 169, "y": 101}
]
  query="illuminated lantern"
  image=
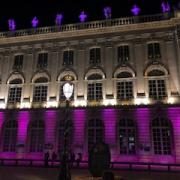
[
  {"x": 107, "y": 12},
  {"x": 12, "y": 24},
  {"x": 58, "y": 20},
  {"x": 34, "y": 22},
  {"x": 82, "y": 17},
  {"x": 68, "y": 90},
  {"x": 135, "y": 10}
]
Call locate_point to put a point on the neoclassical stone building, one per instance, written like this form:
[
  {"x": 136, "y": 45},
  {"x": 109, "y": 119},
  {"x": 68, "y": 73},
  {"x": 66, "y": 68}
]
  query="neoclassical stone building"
[{"x": 126, "y": 76}]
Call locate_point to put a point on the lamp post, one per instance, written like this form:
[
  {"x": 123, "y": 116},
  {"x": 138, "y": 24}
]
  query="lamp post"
[{"x": 64, "y": 171}]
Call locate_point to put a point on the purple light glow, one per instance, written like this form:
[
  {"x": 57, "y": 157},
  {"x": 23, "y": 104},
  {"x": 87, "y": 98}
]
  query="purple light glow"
[
  {"x": 165, "y": 7},
  {"x": 34, "y": 22},
  {"x": 58, "y": 20},
  {"x": 143, "y": 117},
  {"x": 79, "y": 120},
  {"x": 23, "y": 122},
  {"x": 135, "y": 10},
  {"x": 1, "y": 122},
  {"x": 82, "y": 17},
  {"x": 174, "y": 116},
  {"x": 107, "y": 12},
  {"x": 12, "y": 24},
  {"x": 109, "y": 120},
  {"x": 50, "y": 122}
]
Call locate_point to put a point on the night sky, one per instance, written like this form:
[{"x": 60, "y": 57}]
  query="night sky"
[{"x": 46, "y": 10}]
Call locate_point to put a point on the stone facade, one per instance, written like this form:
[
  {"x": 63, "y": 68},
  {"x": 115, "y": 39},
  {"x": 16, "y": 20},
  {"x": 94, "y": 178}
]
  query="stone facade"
[{"x": 153, "y": 91}]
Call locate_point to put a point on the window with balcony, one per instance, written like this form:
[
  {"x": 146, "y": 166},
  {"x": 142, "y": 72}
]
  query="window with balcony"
[
  {"x": 18, "y": 62},
  {"x": 68, "y": 58},
  {"x": 36, "y": 136},
  {"x": 15, "y": 90},
  {"x": 10, "y": 136},
  {"x": 162, "y": 136},
  {"x": 95, "y": 132},
  {"x": 154, "y": 51},
  {"x": 40, "y": 90},
  {"x": 42, "y": 60},
  {"x": 123, "y": 54},
  {"x": 124, "y": 86},
  {"x": 95, "y": 56},
  {"x": 127, "y": 136}
]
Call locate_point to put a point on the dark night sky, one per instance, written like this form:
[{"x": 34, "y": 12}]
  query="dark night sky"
[{"x": 23, "y": 10}]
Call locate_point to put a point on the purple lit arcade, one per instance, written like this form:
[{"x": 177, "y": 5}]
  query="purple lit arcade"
[
  {"x": 142, "y": 117},
  {"x": 126, "y": 78}
]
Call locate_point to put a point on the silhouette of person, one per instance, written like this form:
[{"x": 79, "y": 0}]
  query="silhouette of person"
[
  {"x": 72, "y": 159},
  {"x": 108, "y": 175},
  {"x": 54, "y": 157},
  {"x": 79, "y": 159},
  {"x": 46, "y": 158}
]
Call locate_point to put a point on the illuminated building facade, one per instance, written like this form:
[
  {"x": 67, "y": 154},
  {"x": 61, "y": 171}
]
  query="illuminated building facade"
[{"x": 126, "y": 76}]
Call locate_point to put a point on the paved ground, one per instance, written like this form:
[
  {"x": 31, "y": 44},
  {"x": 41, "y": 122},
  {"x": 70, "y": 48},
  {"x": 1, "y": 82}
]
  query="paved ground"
[{"x": 24, "y": 173}]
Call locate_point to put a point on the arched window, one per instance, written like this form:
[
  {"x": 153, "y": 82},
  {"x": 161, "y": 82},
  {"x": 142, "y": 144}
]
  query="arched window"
[
  {"x": 124, "y": 86},
  {"x": 36, "y": 135},
  {"x": 95, "y": 132},
  {"x": 157, "y": 84},
  {"x": 10, "y": 136},
  {"x": 94, "y": 89},
  {"x": 40, "y": 89},
  {"x": 161, "y": 136},
  {"x": 15, "y": 90},
  {"x": 127, "y": 136}
]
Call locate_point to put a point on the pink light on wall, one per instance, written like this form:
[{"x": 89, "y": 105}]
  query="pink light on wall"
[
  {"x": 79, "y": 136},
  {"x": 174, "y": 117},
  {"x": 142, "y": 116},
  {"x": 23, "y": 122},
  {"x": 50, "y": 117},
  {"x": 1, "y": 122},
  {"x": 109, "y": 118}
]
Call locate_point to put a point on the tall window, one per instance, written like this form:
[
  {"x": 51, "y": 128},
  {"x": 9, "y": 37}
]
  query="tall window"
[
  {"x": 161, "y": 134},
  {"x": 68, "y": 57},
  {"x": 157, "y": 85},
  {"x": 18, "y": 62},
  {"x": 154, "y": 51},
  {"x": 123, "y": 54},
  {"x": 94, "y": 89},
  {"x": 10, "y": 136},
  {"x": 36, "y": 135},
  {"x": 157, "y": 89},
  {"x": 15, "y": 90},
  {"x": 40, "y": 90},
  {"x": 95, "y": 56},
  {"x": 124, "y": 86},
  {"x": 95, "y": 132},
  {"x": 42, "y": 60},
  {"x": 127, "y": 136}
]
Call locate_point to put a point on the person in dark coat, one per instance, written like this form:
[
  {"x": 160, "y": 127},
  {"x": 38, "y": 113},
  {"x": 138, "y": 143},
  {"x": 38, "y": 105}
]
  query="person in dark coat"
[{"x": 46, "y": 159}]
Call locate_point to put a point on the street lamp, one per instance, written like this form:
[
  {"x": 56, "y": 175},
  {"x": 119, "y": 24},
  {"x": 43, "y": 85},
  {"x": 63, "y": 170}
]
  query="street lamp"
[{"x": 65, "y": 172}]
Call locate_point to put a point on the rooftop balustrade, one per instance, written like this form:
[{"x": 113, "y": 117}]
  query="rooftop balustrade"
[{"x": 88, "y": 25}]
